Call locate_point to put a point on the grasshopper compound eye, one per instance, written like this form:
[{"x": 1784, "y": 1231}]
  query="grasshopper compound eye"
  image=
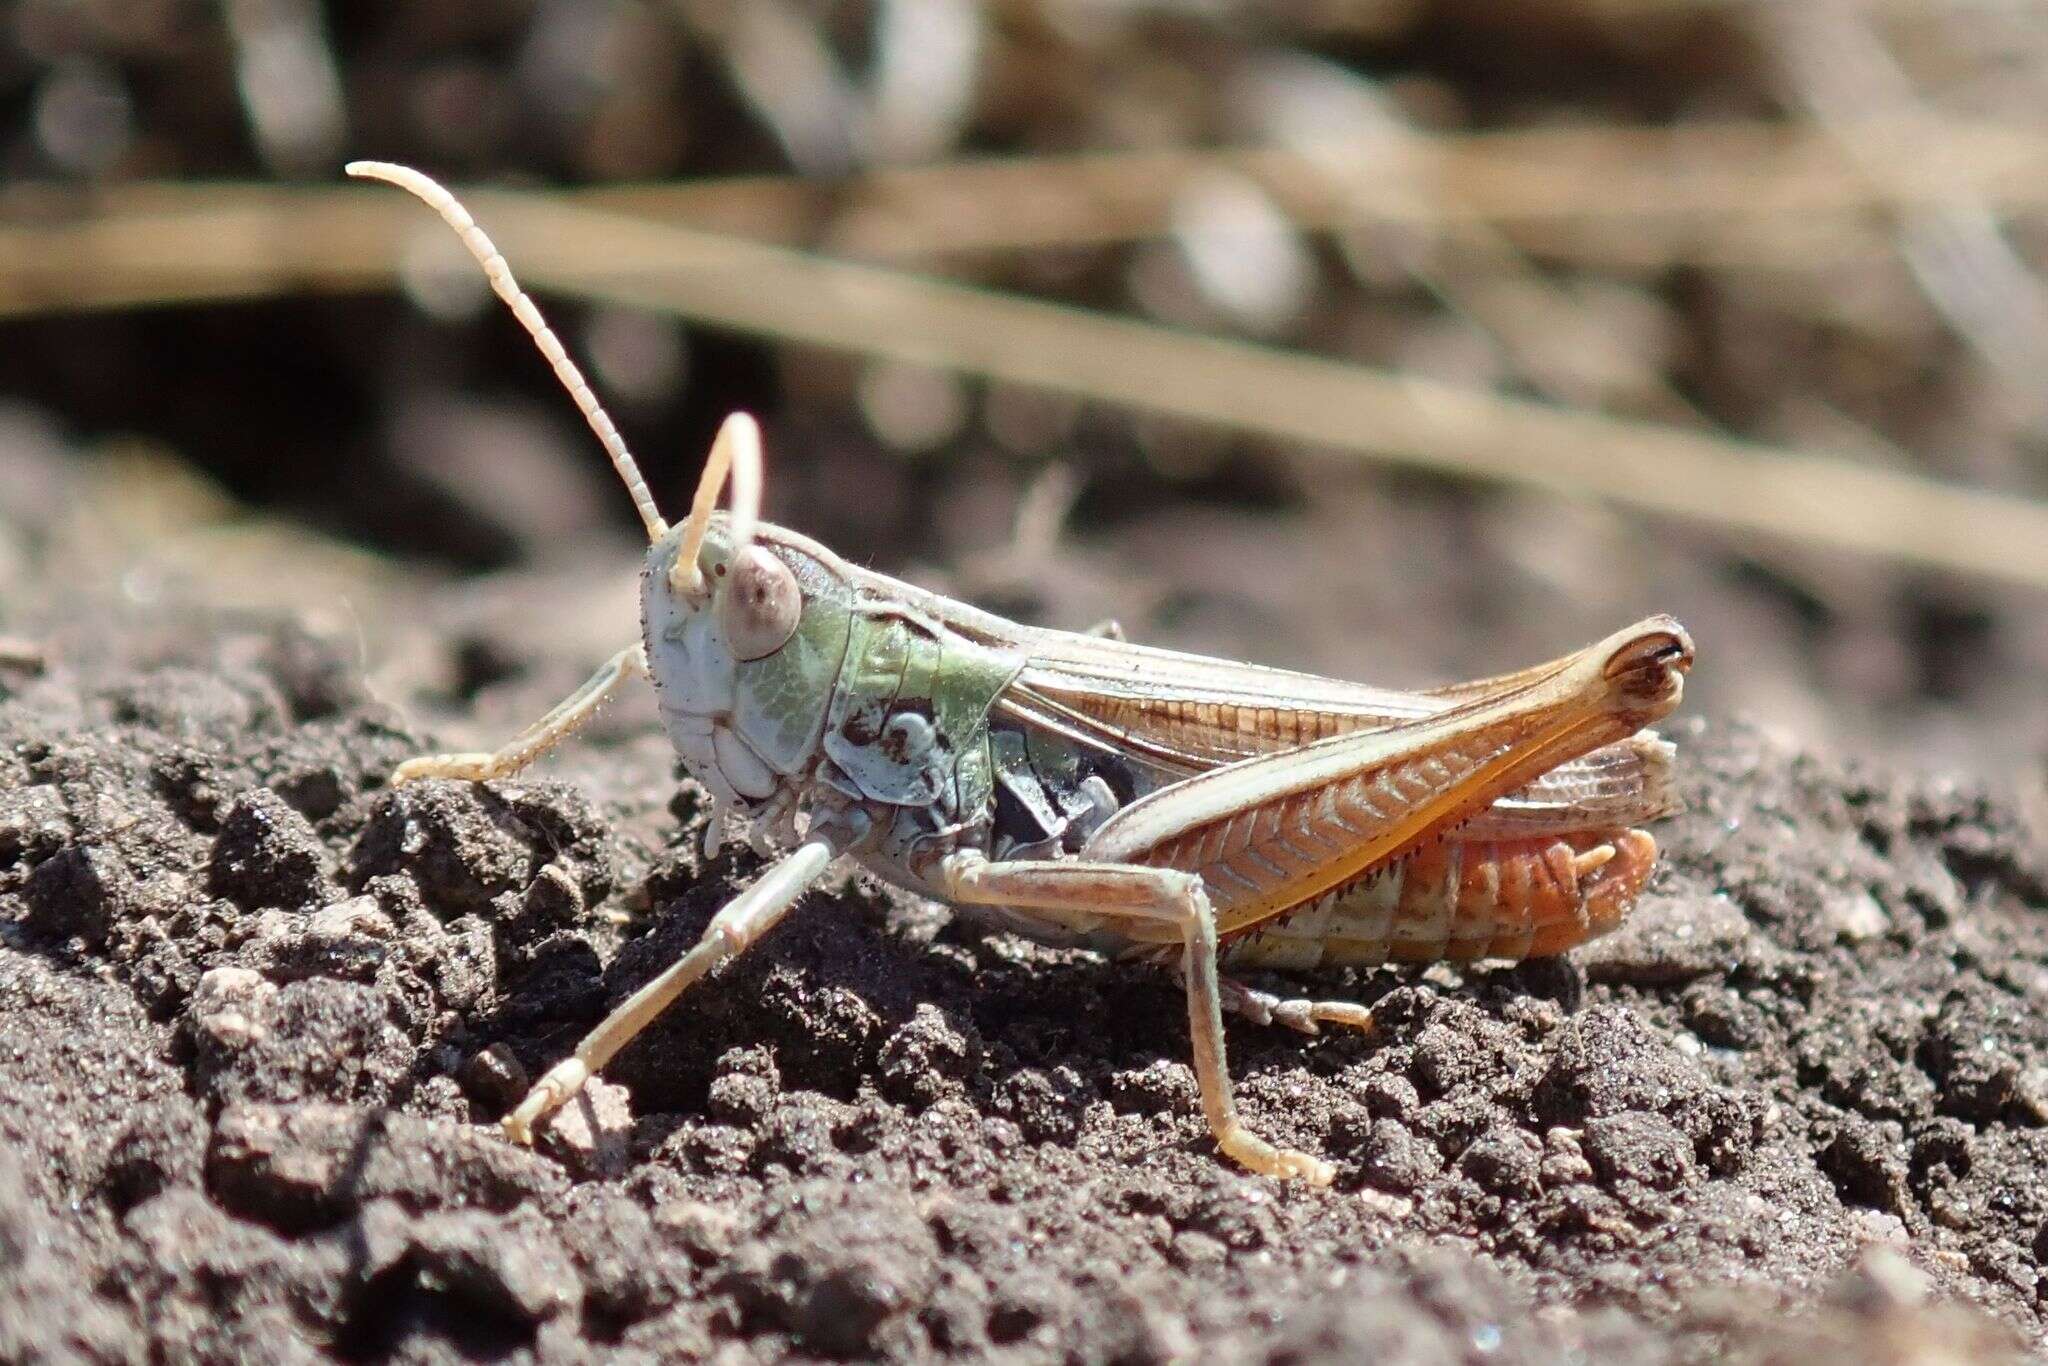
[{"x": 761, "y": 605}]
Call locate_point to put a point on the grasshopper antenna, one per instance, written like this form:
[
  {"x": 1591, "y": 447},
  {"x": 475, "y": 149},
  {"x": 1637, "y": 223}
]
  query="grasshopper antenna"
[
  {"x": 736, "y": 452},
  {"x": 499, "y": 273}
]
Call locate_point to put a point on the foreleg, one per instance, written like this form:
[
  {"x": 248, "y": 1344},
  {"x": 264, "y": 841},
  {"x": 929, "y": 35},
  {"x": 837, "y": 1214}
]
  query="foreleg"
[
  {"x": 537, "y": 739},
  {"x": 737, "y": 926}
]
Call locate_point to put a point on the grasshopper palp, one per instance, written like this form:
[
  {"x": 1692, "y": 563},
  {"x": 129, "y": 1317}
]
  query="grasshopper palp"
[{"x": 1199, "y": 813}]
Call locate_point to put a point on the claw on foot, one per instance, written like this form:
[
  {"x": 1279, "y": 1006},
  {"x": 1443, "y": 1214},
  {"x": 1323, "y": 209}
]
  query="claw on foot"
[
  {"x": 1257, "y": 1155},
  {"x": 472, "y": 768},
  {"x": 548, "y": 1095},
  {"x": 1308, "y": 1017}
]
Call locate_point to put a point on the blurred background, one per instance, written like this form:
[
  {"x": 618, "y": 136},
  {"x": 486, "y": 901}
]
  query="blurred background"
[{"x": 1395, "y": 339}]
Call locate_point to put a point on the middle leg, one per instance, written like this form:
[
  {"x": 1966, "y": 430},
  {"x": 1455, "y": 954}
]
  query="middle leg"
[{"x": 1135, "y": 892}]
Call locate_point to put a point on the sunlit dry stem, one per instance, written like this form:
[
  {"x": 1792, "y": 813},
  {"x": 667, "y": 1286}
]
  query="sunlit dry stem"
[
  {"x": 735, "y": 452},
  {"x": 499, "y": 273}
]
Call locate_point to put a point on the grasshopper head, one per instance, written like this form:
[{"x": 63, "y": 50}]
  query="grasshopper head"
[
  {"x": 728, "y": 605},
  {"x": 746, "y": 626}
]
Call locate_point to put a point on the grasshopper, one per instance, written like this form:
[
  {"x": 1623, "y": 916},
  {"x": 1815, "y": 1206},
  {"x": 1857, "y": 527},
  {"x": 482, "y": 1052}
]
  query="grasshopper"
[{"x": 1197, "y": 813}]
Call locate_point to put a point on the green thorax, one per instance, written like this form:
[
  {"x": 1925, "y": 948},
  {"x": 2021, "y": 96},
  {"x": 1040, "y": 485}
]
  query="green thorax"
[{"x": 909, "y": 722}]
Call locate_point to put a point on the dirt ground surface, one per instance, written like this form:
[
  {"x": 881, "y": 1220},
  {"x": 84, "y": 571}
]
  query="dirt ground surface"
[{"x": 258, "y": 1011}]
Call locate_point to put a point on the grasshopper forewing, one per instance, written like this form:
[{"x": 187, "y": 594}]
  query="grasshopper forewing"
[{"x": 1199, "y": 813}]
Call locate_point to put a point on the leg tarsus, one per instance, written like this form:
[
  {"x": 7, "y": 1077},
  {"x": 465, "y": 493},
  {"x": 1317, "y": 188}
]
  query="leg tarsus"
[
  {"x": 546, "y": 1096},
  {"x": 1253, "y": 1153},
  {"x": 537, "y": 739},
  {"x": 469, "y": 766},
  {"x": 1297, "y": 1013}
]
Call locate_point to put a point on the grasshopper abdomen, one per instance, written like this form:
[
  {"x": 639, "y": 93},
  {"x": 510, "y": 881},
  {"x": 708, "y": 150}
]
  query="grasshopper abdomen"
[{"x": 1459, "y": 900}]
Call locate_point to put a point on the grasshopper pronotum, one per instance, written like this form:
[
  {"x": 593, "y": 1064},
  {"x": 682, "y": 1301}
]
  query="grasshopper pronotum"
[{"x": 1194, "y": 812}]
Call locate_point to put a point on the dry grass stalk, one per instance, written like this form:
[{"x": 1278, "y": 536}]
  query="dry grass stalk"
[
  {"x": 1330, "y": 405},
  {"x": 1769, "y": 196}
]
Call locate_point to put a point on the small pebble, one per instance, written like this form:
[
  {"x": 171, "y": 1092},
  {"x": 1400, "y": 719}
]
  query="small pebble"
[
  {"x": 495, "y": 1078},
  {"x": 227, "y": 1003}
]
